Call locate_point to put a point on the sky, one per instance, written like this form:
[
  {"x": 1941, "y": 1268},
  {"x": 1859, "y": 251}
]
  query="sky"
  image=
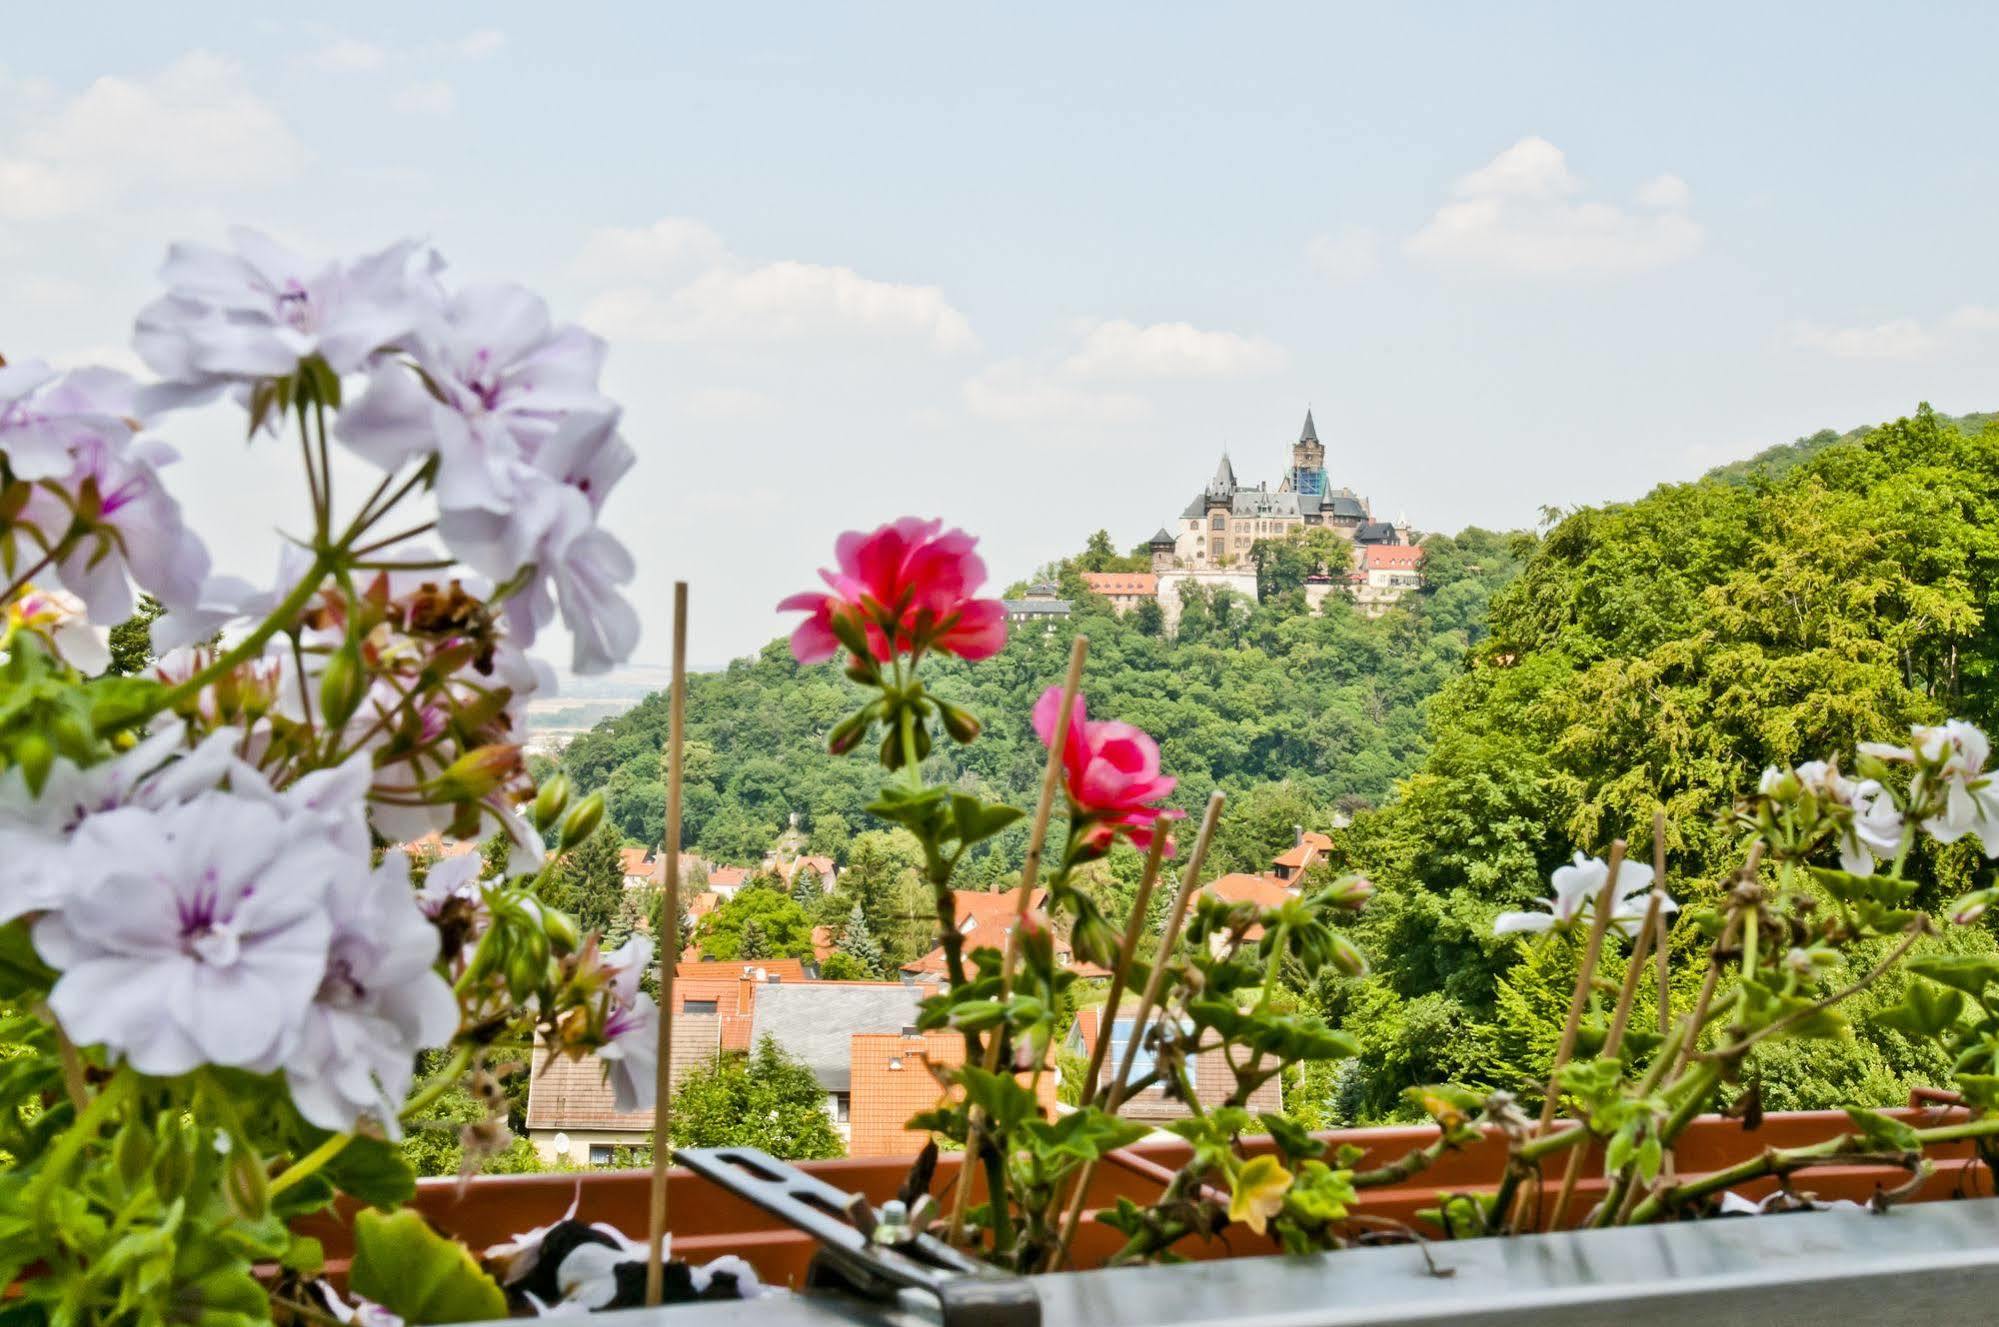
[{"x": 1031, "y": 268}]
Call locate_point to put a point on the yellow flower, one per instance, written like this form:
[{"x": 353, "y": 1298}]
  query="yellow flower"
[{"x": 1259, "y": 1192}]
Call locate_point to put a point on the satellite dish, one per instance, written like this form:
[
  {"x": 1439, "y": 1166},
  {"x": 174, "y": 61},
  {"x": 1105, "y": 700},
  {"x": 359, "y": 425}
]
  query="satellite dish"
[{"x": 561, "y": 1141}]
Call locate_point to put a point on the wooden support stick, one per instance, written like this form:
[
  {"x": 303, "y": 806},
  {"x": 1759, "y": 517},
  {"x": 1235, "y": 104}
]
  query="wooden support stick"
[
  {"x": 1113, "y": 1092},
  {"x": 1030, "y": 875},
  {"x": 669, "y": 953},
  {"x": 1611, "y": 1045},
  {"x": 1661, "y": 958},
  {"x": 1606, "y": 899}
]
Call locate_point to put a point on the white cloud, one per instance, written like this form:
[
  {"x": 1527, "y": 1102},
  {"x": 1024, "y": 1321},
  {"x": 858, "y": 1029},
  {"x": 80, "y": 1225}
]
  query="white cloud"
[
  {"x": 435, "y": 97},
  {"x": 1973, "y": 318},
  {"x": 345, "y": 55},
  {"x": 1519, "y": 214},
  {"x": 677, "y": 282},
  {"x": 1013, "y": 392},
  {"x": 1903, "y": 338},
  {"x": 194, "y": 126},
  {"x": 1122, "y": 350},
  {"x": 730, "y": 403},
  {"x": 1667, "y": 190},
  {"x": 481, "y": 44},
  {"x": 1346, "y": 255}
]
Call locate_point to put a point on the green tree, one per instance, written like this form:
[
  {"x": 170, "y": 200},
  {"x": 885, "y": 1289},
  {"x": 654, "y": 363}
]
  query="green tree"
[
  {"x": 806, "y": 888},
  {"x": 132, "y": 640},
  {"x": 829, "y": 836},
  {"x": 859, "y": 943},
  {"x": 782, "y": 929},
  {"x": 589, "y": 883},
  {"x": 767, "y": 1100},
  {"x": 844, "y": 967},
  {"x": 1148, "y": 619}
]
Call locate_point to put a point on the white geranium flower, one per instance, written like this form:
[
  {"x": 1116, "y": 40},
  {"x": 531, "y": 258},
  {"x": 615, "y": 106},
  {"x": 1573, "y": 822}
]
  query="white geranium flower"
[
  {"x": 224, "y": 600},
  {"x": 245, "y": 316},
  {"x": 194, "y": 934},
  {"x": 60, "y": 620},
  {"x": 135, "y": 533},
  {"x": 1870, "y": 824},
  {"x": 379, "y": 1003},
  {"x": 580, "y": 565},
  {"x": 44, "y": 412},
  {"x": 1576, "y": 887},
  {"x": 631, "y": 1030},
  {"x": 497, "y": 379},
  {"x": 1971, "y": 804}
]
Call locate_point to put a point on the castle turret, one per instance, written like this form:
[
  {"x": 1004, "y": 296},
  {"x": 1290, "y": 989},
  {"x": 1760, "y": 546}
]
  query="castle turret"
[
  {"x": 1308, "y": 459},
  {"x": 1161, "y": 546}
]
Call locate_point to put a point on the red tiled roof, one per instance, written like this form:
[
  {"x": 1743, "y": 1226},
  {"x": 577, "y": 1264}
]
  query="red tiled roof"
[
  {"x": 1239, "y": 887},
  {"x": 728, "y": 877},
  {"x": 439, "y": 849},
  {"x": 1115, "y": 583},
  {"x": 787, "y": 969},
  {"x": 1313, "y": 847},
  {"x": 891, "y": 1081},
  {"x": 984, "y": 918},
  {"x": 1391, "y": 557},
  {"x": 702, "y": 904}
]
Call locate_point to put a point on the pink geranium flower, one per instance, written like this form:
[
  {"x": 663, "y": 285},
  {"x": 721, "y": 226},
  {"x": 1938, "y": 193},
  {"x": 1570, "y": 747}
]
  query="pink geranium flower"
[
  {"x": 1113, "y": 777},
  {"x": 906, "y": 587}
]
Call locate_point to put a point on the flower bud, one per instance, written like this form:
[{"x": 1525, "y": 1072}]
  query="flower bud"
[
  {"x": 341, "y": 686},
  {"x": 863, "y": 669},
  {"x": 550, "y": 800},
  {"x": 848, "y": 734},
  {"x": 1972, "y": 907},
  {"x": 1348, "y": 958},
  {"x": 561, "y": 930},
  {"x": 35, "y": 756},
  {"x": 582, "y": 821},
  {"x": 1351, "y": 892},
  {"x": 961, "y": 724},
  {"x": 476, "y": 773}
]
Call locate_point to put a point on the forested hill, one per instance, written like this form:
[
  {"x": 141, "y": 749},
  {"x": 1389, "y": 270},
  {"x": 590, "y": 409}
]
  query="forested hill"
[
  {"x": 1300, "y": 715},
  {"x": 1775, "y": 462}
]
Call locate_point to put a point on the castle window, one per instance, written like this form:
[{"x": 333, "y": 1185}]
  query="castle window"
[{"x": 1220, "y": 521}]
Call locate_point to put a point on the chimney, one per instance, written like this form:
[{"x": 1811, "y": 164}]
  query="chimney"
[{"x": 1297, "y": 836}]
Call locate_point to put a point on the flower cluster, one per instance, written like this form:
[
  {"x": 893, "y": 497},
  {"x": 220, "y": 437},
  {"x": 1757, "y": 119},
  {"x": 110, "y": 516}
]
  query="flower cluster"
[
  {"x": 197, "y": 916},
  {"x": 900, "y": 590},
  {"x": 477, "y": 388},
  {"x": 1576, "y": 889},
  {"x": 1798, "y": 809},
  {"x": 1111, "y": 776},
  {"x": 1952, "y": 793},
  {"x": 81, "y": 502}
]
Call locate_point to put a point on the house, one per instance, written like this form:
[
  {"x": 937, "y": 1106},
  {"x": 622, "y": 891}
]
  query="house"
[
  {"x": 1387, "y": 573},
  {"x": 1208, "y": 1072},
  {"x": 642, "y": 867},
  {"x": 1310, "y": 847},
  {"x": 1042, "y": 604},
  {"x": 1261, "y": 891},
  {"x": 729, "y": 991},
  {"x": 572, "y": 1112},
  {"x": 787, "y": 868},
  {"x": 891, "y": 1079},
  {"x": 816, "y": 1022},
  {"x": 437, "y": 848},
  {"x": 725, "y": 881},
  {"x": 1125, "y": 589},
  {"x": 984, "y": 918}
]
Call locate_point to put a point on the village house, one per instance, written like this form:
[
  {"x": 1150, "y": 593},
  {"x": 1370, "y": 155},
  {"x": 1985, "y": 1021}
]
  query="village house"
[
  {"x": 985, "y": 918},
  {"x": 1043, "y": 603},
  {"x": 891, "y": 1079},
  {"x": 1207, "y": 1073},
  {"x": 1125, "y": 589}
]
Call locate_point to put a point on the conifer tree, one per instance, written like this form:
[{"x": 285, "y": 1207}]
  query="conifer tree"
[{"x": 859, "y": 942}]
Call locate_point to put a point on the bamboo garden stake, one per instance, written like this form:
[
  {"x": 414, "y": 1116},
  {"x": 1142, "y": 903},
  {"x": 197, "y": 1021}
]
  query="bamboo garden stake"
[
  {"x": 1113, "y": 1092},
  {"x": 1030, "y": 875},
  {"x": 669, "y": 953}
]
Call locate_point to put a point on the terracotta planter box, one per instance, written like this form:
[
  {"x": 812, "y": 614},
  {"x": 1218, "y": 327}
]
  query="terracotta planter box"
[{"x": 707, "y": 1221}]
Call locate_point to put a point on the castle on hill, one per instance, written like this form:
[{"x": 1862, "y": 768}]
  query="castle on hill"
[{"x": 1223, "y": 522}]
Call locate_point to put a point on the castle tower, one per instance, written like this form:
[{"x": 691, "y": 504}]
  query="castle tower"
[
  {"x": 1161, "y": 547},
  {"x": 1308, "y": 459}
]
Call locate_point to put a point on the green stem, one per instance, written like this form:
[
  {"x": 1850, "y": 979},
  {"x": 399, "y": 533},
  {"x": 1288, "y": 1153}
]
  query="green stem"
[
  {"x": 311, "y": 1163},
  {"x": 251, "y": 645},
  {"x": 440, "y": 1084}
]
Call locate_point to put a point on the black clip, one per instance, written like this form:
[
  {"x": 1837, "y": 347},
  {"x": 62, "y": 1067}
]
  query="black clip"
[{"x": 970, "y": 1293}]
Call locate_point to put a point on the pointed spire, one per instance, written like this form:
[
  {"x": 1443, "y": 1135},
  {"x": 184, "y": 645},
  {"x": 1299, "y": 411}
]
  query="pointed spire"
[
  {"x": 1224, "y": 480},
  {"x": 1309, "y": 434}
]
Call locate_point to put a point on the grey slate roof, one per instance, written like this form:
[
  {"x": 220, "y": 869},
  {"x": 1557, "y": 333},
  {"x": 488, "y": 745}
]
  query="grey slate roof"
[
  {"x": 1036, "y": 607},
  {"x": 1224, "y": 481},
  {"x": 1309, "y": 434},
  {"x": 1161, "y": 538},
  {"x": 1374, "y": 532},
  {"x": 816, "y": 1021},
  {"x": 1263, "y": 502},
  {"x": 1343, "y": 504}
]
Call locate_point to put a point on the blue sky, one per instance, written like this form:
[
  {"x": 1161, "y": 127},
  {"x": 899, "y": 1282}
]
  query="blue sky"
[{"x": 1031, "y": 267}]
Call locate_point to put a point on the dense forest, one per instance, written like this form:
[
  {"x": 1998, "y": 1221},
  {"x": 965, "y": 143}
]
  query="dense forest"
[{"x": 1543, "y": 694}]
